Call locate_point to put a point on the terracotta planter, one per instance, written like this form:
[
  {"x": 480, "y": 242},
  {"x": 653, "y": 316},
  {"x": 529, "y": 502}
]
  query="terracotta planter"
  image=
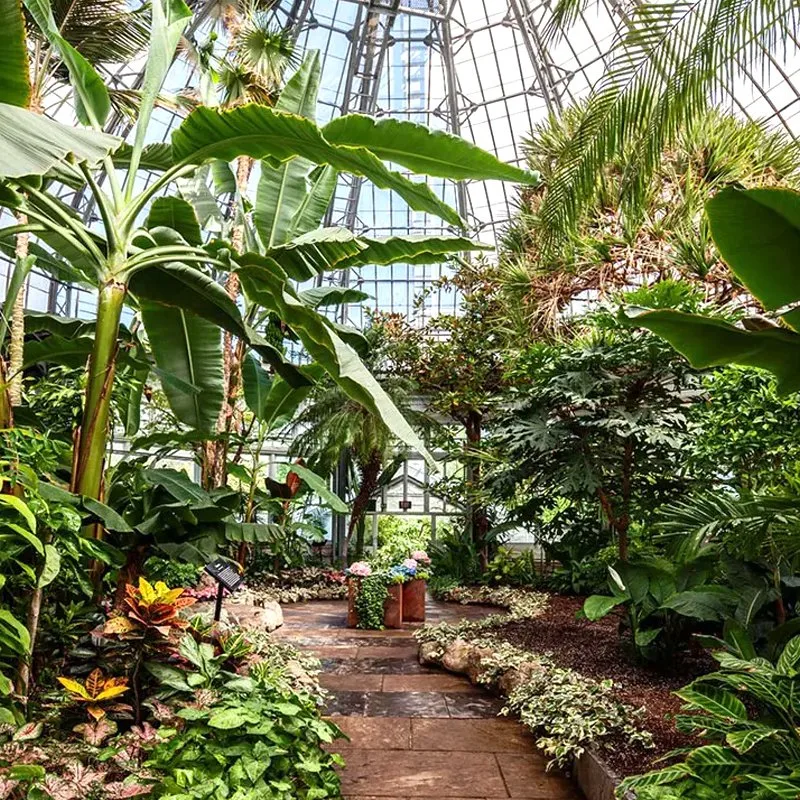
[
  {"x": 393, "y": 607},
  {"x": 353, "y": 585},
  {"x": 414, "y": 601}
]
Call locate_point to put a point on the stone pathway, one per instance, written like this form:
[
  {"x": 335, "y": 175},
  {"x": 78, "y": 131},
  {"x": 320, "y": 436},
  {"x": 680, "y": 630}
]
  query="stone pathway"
[{"x": 415, "y": 732}]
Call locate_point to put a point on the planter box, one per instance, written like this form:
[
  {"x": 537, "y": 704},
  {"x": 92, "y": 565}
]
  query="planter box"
[
  {"x": 393, "y": 607},
  {"x": 414, "y": 601},
  {"x": 353, "y": 585}
]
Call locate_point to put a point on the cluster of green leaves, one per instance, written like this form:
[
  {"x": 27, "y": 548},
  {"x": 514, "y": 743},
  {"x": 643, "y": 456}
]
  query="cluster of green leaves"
[
  {"x": 747, "y": 714},
  {"x": 256, "y": 739},
  {"x": 371, "y": 594}
]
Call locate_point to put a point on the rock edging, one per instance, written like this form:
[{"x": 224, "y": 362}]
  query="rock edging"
[{"x": 594, "y": 777}]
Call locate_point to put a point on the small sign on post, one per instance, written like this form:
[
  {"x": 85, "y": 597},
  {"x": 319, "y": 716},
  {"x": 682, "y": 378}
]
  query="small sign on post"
[{"x": 226, "y": 577}]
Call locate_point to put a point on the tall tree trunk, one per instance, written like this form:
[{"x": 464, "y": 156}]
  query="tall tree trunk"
[
  {"x": 16, "y": 342},
  {"x": 624, "y": 521},
  {"x": 479, "y": 519},
  {"x": 93, "y": 438},
  {"x": 216, "y": 453},
  {"x": 370, "y": 473}
]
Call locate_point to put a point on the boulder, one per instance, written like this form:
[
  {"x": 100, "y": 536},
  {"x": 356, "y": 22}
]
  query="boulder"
[
  {"x": 456, "y": 656},
  {"x": 474, "y": 662},
  {"x": 268, "y": 616},
  {"x": 429, "y": 653},
  {"x": 515, "y": 677}
]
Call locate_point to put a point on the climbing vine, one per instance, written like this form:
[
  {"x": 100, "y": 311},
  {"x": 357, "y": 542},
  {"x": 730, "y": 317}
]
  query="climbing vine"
[{"x": 372, "y": 594}]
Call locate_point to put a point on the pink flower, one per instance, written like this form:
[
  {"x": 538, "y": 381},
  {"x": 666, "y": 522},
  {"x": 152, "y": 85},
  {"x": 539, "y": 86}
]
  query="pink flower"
[
  {"x": 421, "y": 556},
  {"x": 360, "y": 569},
  {"x": 410, "y": 563}
]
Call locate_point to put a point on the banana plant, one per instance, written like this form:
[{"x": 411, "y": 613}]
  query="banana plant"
[
  {"x": 163, "y": 262},
  {"x": 757, "y": 232}
]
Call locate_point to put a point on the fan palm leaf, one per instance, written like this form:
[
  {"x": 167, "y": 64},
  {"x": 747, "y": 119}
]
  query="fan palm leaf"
[{"x": 665, "y": 65}]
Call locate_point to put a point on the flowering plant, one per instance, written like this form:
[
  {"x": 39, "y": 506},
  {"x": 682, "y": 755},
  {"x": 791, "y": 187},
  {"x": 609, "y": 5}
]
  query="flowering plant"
[
  {"x": 421, "y": 557},
  {"x": 411, "y": 565},
  {"x": 360, "y": 569}
]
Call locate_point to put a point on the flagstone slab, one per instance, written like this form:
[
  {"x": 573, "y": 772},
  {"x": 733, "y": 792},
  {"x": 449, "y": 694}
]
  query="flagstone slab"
[
  {"x": 435, "y": 682},
  {"x": 373, "y": 733},
  {"x": 406, "y": 704},
  {"x": 473, "y": 735}
]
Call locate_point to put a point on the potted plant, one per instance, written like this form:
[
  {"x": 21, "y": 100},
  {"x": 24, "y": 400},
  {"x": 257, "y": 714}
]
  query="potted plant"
[
  {"x": 415, "y": 587},
  {"x": 393, "y": 605},
  {"x": 355, "y": 572}
]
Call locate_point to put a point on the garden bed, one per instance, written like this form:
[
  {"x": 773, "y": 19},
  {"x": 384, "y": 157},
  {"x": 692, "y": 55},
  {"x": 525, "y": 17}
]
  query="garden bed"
[{"x": 594, "y": 649}]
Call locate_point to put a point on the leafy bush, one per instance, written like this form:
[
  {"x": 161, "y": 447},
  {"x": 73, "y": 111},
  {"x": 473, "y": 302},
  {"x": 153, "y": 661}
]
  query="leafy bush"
[
  {"x": 398, "y": 538},
  {"x": 370, "y": 598},
  {"x": 749, "y": 712},
  {"x": 454, "y": 556},
  {"x": 173, "y": 573},
  {"x": 508, "y": 568}
]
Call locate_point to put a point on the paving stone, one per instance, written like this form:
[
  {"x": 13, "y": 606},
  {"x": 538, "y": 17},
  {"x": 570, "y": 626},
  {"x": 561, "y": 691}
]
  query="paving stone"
[
  {"x": 436, "y": 682},
  {"x": 370, "y": 651},
  {"x": 373, "y": 733},
  {"x": 382, "y": 666},
  {"x": 473, "y": 735},
  {"x": 525, "y": 777},
  {"x": 329, "y": 651},
  {"x": 351, "y": 704},
  {"x": 352, "y": 683},
  {"x": 406, "y": 704},
  {"x": 397, "y": 773},
  {"x": 472, "y": 706}
]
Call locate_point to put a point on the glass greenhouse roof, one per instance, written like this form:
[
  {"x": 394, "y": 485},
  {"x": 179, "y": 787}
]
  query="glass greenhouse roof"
[{"x": 484, "y": 69}]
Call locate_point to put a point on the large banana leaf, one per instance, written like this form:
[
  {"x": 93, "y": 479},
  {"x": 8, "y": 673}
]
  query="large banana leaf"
[
  {"x": 710, "y": 342},
  {"x": 265, "y": 286},
  {"x": 178, "y": 214},
  {"x": 256, "y": 384},
  {"x": 190, "y": 348},
  {"x": 283, "y": 399},
  {"x": 323, "y": 296},
  {"x": 317, "y": 484},
  {"x": 92, "y": 101},
  {"x": 423, "y": 150},
  {"x": 262, "y": 132},
  {"x": 182, "y": 286},
  {"x": 72, "y": 352},
  {"x": 34, "y": 144},
  {"x": 312, "y": 210},
  {"x": 409, "y": 250},
  {"x": 312, "y": 253},
  {"x": 299, "y": 96},
  {"x": 757, "y": 232},
  {"x": 15, "y": 88}
]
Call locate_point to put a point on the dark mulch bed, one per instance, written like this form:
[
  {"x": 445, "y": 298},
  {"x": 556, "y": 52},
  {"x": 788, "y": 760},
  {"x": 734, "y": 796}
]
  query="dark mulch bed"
[{"x": 595, "y": 649}]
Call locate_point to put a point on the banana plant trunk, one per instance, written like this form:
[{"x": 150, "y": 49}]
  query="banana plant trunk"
[
  {"x": 93, "y": 437},
  {"x": 16, "y": 341}
]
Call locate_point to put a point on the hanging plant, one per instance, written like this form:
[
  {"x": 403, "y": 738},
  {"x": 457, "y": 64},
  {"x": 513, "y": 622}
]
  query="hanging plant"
[{"x": 372, "y": 594}]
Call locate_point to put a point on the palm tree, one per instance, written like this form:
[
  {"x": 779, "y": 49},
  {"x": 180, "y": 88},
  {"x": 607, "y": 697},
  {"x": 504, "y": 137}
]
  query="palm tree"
[
  {"x": 668, "y": 61},
  {"x": 333, "y": 428},
  {"x": 666, "y": 236}
]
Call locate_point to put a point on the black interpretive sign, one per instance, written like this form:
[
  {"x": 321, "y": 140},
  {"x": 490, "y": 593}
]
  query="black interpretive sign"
[{"x": 224, "y": 574}]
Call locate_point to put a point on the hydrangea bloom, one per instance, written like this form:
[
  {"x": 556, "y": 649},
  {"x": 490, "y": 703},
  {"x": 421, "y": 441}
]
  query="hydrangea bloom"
[
  {"x": 360, "y": 569},
  {"x": 410, "y": 564},
  {"x": 421, "y": 557}
]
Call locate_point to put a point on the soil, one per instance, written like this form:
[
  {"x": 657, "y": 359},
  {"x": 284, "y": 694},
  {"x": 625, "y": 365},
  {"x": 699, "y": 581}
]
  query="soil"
[{"x": 595, "y": 649}]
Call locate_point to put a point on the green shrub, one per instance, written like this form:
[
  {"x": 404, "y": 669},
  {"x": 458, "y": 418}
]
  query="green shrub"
[
  {"x": 748, "y": 711},
  {"x": 397, "y": 538},
  {"x": 509, "y": 568},
  {"x": 173, "y": 573}
]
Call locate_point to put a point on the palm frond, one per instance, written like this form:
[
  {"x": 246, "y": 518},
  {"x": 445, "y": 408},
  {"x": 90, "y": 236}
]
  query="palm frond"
[{"x": 666, "y": 65}]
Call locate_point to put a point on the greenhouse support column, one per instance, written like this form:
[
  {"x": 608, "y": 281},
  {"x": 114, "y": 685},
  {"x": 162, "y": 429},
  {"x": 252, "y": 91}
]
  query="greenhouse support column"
[{"x": 94, "y": 427}]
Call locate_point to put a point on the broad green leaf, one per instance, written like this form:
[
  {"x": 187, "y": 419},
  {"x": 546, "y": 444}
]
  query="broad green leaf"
[
  {"x": 33, "y": 144},
  {"x": 15, "y": 88},
  {"x": 195, "y": 190},
  {"x": 130, "y": 402},
  {"x": 702, "y": 604},
  {"x": 661, "y": 777},
  {"x": 311, "y": 212},
  {"x": 757, "y": 232},
  {"x": 284, "y": 400},
  {"x": 312, "y": 253},
  {"x": 275, "y": 358},
  {"x": 322, "y": 296},
  {"x": 422, "y": 150},
  {"x": 598, "y": 606},
  {"x": 254, "y": 532},
  {"x": 58, "y": 350},
  {"x": 21, "y": 508},
  {"x": 66, "y": 327},
  {"x": 256, "y": 385},
  {"x": 787, "y": 788},
  {"x": 227, "y": 719},
  {"x": 178, "y": 214},
  {"x": 169, "y": 18},
  {"x": 710, "y": 342},
  {"x": 716, "y": 702},
  {"x": 184, "y": 287},
  {"x": 156, "y": 157},
  {"x": 265, "y": 286},
  {"x": 52, "y": 566},
  {"x": 410, "y": 250},
  {"x": 190, "y": 348},
  {"x": 299, "y": 95},
  {"x": 109, "y": 518},
  {"x": 744, "y": 740},
  {"x": 789, "y": 658},
  {"x": 281, "y": 191},
  {"x": 317, "y": 484},
  {"x": 22, "y": 268},
  {"x": 715, "y": 763},
  {"x": 179, "y": 485},
  {"x": 644, "y": 638},
  {"x": 13, "y": 634},
  {"x": 262, "y": 132},
  {"x": 92, "y": 102}
]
